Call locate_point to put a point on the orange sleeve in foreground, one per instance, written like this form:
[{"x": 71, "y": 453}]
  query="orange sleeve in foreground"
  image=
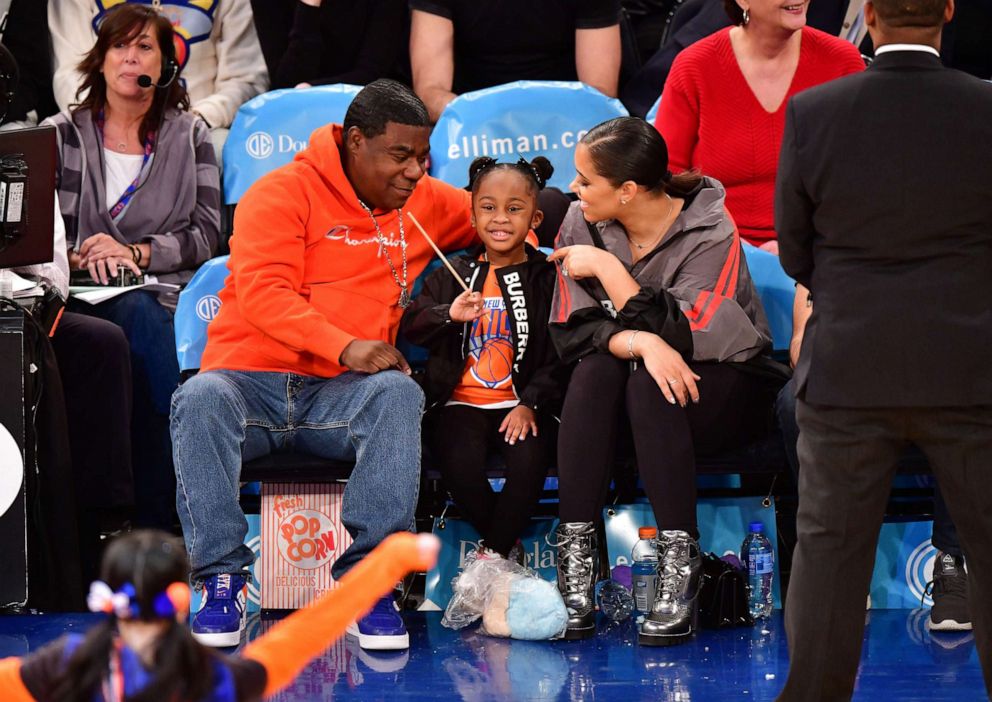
[
  {"x": 12, "y": 687},
  {"x": 292, "y": 643}
]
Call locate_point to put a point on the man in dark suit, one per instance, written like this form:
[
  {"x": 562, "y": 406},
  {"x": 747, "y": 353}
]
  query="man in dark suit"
[{"x": 884, "y": 211}]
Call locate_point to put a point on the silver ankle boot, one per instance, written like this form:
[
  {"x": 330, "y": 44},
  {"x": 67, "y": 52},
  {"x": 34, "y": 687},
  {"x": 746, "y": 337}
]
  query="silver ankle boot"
[
  {"x": 577, "y": 556},
  {"x": 674, "y": 615}
]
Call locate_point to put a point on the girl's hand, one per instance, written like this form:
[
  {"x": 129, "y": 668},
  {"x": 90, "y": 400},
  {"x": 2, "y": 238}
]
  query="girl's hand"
[
  {"x": 669, "y": 370},
  {"x": 583, "y": 261},
  {"x": 74, "y": 261},
  {"x": 520, "y": 420},
  {"x": 466, "y": 307}
]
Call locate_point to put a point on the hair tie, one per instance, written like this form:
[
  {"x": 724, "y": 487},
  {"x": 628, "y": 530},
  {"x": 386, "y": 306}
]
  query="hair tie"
[
  {"x": 532, "y": 169},
  {"x": 484, "y": 164},
  {"x": 667, "y": 178},
  {"x": 102, "y": 599},
  {"x": 173, "y": 601}
]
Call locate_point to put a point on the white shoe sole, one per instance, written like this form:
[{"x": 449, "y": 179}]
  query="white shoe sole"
[
  {"x": 379, "y": 643},
  {"x": 224, "y": 640},
  {"x": 948, "y": 625}
]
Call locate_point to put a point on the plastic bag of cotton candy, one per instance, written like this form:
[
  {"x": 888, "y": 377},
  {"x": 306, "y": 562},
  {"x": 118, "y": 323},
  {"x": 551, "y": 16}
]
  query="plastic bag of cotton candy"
[{"x": 512, "y": 601}]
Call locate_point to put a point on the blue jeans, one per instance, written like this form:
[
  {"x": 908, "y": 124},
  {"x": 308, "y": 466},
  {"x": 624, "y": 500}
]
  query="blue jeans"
[{"x": 221, "y": 418}]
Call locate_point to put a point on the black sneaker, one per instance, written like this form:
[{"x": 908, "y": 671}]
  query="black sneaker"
[{"x": 949, "y": 589}]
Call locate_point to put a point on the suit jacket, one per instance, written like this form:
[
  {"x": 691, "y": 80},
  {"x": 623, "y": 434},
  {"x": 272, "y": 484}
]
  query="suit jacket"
[{"x": 883, "y": 209}]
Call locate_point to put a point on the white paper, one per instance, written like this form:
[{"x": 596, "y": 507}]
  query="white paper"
[
  {"x": 22, "y": 287},
  {"x": 95, "y": 294}
]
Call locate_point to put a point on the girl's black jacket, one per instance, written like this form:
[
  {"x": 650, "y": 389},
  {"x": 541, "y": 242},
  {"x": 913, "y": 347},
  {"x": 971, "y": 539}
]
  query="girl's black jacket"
[{"x": 539, "y": 376}]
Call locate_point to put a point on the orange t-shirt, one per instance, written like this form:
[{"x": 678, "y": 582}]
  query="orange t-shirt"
[{"x": 488, "y": 377}]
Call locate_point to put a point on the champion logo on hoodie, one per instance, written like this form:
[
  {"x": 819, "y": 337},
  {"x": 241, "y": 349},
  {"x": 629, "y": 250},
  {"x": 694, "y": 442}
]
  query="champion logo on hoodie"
[
  {"x": 192, "y": 20},
  {"x": 343, "y": 233}
]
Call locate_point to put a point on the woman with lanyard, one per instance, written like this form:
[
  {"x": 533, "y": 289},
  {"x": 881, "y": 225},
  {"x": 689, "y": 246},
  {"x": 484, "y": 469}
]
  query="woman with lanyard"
[{"x": 139, "y": 190}]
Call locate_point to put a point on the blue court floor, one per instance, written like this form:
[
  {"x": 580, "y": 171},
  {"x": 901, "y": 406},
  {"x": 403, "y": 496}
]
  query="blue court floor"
[{"x": 902, "y": 661}]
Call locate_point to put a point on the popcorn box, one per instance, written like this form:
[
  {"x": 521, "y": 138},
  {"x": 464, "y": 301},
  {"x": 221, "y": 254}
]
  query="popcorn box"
[{"x": 302, "y": 535}]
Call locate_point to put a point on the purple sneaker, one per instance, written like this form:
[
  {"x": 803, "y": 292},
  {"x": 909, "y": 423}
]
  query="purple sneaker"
[
  {"x": 382, "y": 628},
  {"x": 220, "y": 620}
]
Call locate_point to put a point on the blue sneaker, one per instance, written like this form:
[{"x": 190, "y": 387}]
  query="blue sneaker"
[
  {"x": 381, "y": 629},
  {"x": 220, "y": 621}
]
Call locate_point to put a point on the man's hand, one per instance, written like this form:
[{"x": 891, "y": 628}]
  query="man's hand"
[
  {"x": 467, "y": 307},
  {"x": 520, "y": 420},
  {"x": 366, "y": 356}
]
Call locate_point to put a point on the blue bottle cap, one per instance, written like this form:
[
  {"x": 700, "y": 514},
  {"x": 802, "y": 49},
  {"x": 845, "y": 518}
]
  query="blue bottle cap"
[{"x": 756, "y": 527}]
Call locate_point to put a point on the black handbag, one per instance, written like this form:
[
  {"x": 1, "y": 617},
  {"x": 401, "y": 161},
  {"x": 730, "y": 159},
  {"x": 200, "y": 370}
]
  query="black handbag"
[{"x": 723, "y": 595}]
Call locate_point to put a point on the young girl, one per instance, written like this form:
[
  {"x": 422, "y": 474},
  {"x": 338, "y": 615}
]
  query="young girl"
[
  {"x": 493, "y": 378},
  {"x": 144, "y": 652}
]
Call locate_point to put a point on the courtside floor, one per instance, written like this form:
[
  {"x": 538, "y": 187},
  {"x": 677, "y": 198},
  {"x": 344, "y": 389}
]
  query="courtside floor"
[{"x": 902, "y": 661}]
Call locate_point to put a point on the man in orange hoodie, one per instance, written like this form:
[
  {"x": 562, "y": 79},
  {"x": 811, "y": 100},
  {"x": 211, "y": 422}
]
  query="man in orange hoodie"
[{"x": 301, "y": 355}]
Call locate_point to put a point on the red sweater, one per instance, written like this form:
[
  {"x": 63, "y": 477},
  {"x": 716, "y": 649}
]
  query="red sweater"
[{"x": 712, "y": 121}]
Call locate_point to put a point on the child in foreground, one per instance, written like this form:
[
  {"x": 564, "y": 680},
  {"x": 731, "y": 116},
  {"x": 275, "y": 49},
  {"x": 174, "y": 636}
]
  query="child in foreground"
[{"x": 143, "y": 650}]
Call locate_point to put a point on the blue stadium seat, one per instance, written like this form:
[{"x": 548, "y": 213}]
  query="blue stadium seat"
[
  {"x": 520, "y": 119},
  {"x": 776, "y": 290},
  {"x": 198, "y": 305},
  {"x": 270, "y": 129},
  {"x": 653, "y": 111}
]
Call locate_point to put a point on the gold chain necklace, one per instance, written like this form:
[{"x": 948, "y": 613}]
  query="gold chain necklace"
[
  {"x": 641, "y": 247},
  {"x": 405, "y": 299}
]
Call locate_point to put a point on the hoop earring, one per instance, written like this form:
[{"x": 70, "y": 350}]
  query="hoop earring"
[{"x": 747, "y": 18}]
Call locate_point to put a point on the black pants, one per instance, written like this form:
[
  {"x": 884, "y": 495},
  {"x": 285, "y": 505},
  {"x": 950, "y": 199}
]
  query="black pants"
[
  {"x": 944, "y": 537},
  {"x": 95, "y": 368},
  {"x": 733, "y": 409},
  {"x": 849, "y": 458},
  {"x": 462, "y": 438},
  {"x": 148, "y": 326}
]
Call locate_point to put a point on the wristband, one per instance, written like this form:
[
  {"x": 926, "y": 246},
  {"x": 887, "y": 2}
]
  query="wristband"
[{"x": 630, "y": 344}]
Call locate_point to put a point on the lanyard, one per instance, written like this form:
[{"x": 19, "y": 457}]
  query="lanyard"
[
  {"x": 125, "y": 198},
  {"x": 113, "y": 684}
]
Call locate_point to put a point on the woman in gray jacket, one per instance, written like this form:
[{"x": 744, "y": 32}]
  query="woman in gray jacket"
[
  {"x": 655, "y": 302},
  {"x": 139, "y": 190}
]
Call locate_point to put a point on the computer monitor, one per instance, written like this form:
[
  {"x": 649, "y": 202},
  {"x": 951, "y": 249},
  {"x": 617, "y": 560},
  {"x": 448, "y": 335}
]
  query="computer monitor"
[{"x": 27, "y": 196}]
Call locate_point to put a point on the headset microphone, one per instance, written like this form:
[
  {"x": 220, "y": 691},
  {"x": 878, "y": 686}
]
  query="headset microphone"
[{"x": 145, "y": 80}]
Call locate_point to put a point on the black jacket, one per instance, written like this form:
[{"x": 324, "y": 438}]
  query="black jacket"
[
  {"x": 882, "y": 210},
  {"x": 539, "y": 377}
]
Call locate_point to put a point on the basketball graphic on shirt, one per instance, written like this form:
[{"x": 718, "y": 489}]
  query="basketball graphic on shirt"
[
  {"x": 493, "y": 365},
  {"x": 487, "y": 380}
]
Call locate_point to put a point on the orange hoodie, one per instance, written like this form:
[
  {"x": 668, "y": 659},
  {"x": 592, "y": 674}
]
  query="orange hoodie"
[{"x": 307, "y": 276}]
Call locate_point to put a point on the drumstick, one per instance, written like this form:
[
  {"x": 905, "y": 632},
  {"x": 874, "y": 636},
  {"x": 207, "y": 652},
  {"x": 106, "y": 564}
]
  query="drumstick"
[{"x": 441, "y": 256}]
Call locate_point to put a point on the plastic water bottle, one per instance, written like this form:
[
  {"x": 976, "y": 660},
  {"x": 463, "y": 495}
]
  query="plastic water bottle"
[
  {"x": 759, "y": 559},
  {"x": 644, "y": 568}
]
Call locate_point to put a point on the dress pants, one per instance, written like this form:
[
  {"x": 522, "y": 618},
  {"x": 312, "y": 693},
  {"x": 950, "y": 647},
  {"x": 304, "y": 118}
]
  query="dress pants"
[{"x": 848, "y": 458}]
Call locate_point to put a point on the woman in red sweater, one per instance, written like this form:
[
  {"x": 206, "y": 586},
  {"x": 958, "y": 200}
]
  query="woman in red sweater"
[{"x": 723, "y": 108}]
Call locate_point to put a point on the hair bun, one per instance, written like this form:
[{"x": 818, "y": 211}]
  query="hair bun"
[{"x": 543, "y": 170}]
